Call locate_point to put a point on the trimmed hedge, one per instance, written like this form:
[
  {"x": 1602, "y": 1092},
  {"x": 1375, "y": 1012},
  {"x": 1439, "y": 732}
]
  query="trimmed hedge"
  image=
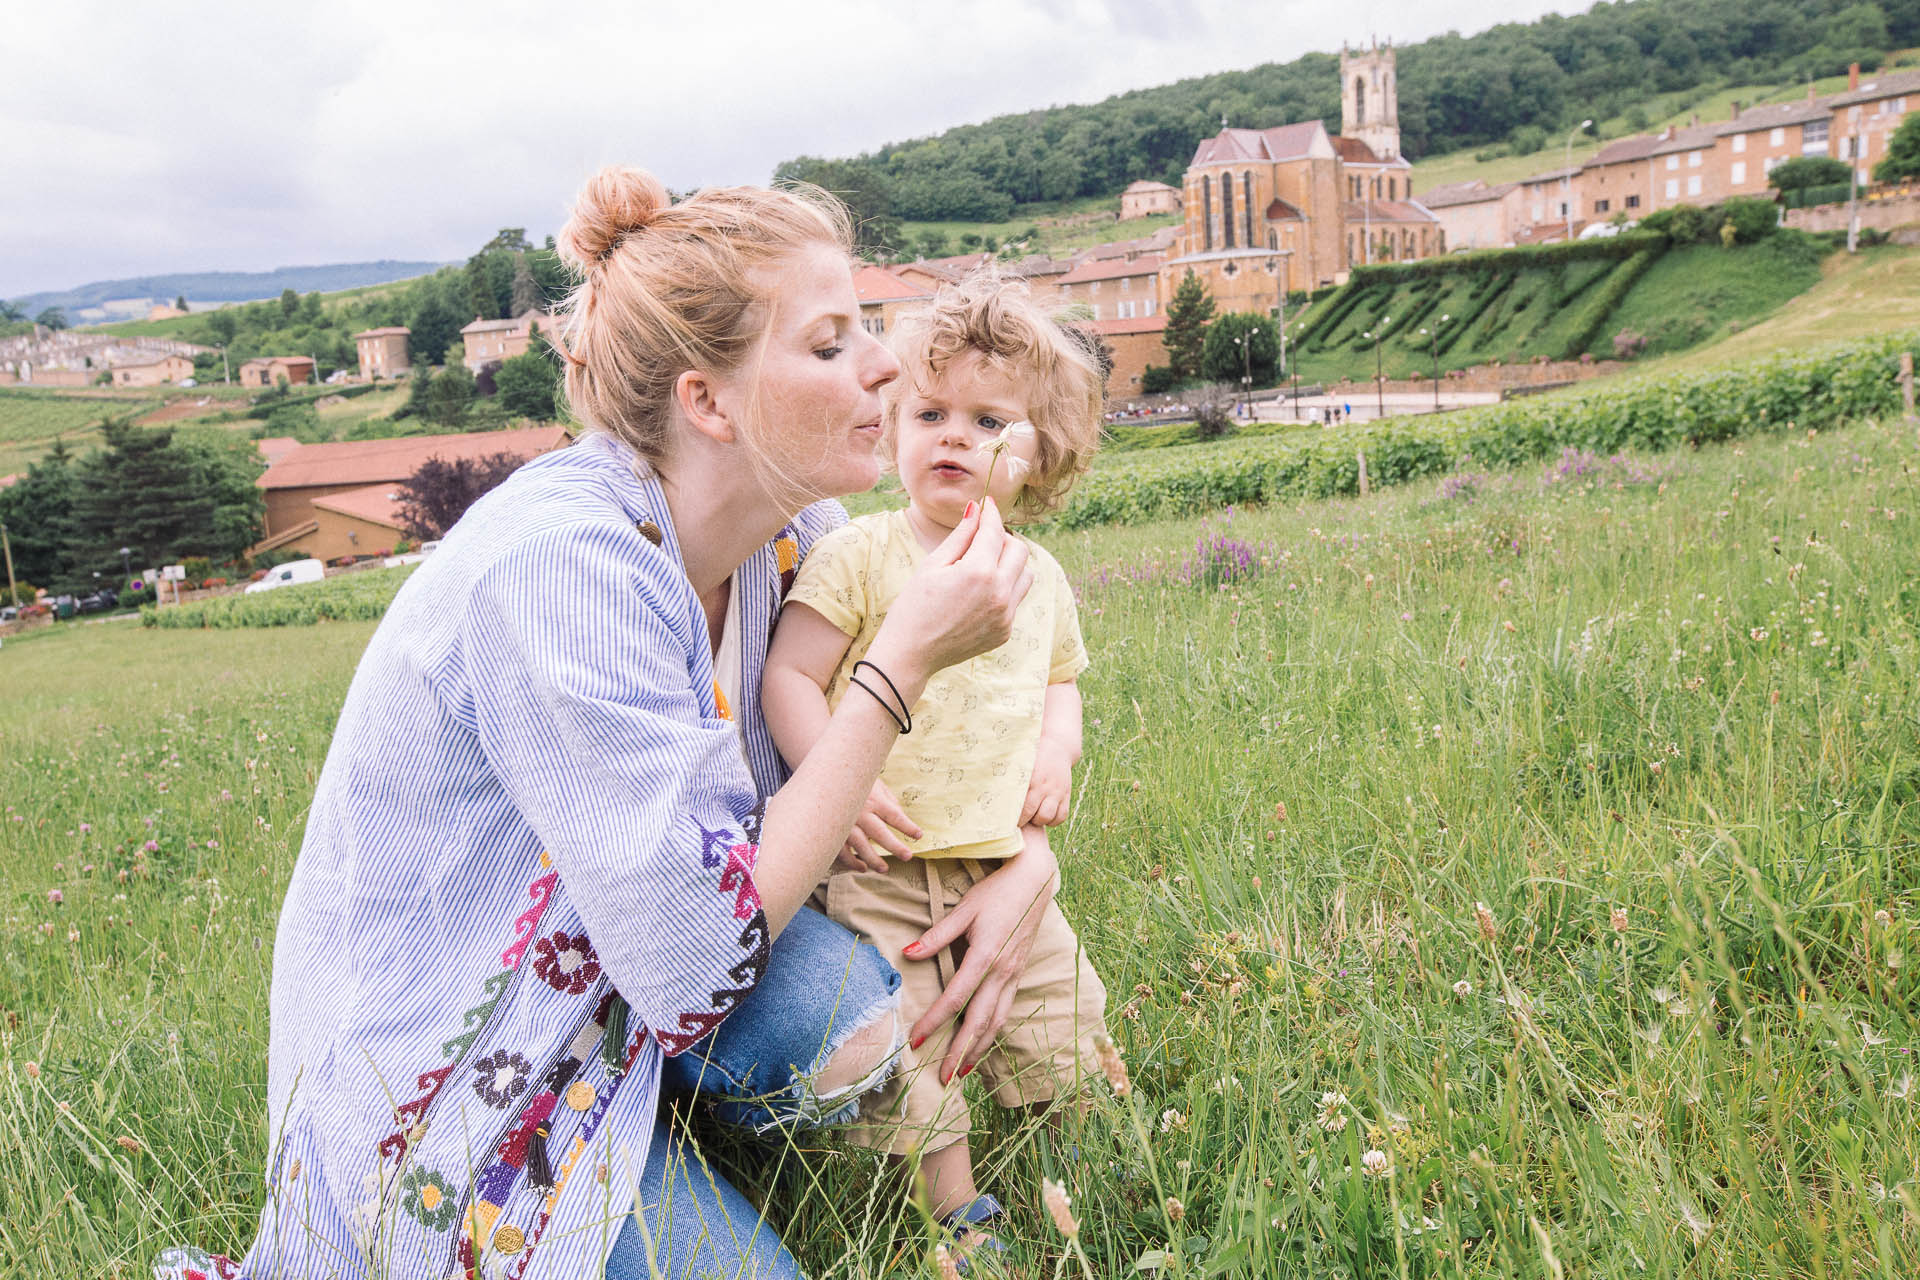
[
  {"x": 361, "y": 596},
  {"x": 1523, "y": 259},
  {"x": 1814, "y": 389},
  {"x": 1593, "y": 316}
]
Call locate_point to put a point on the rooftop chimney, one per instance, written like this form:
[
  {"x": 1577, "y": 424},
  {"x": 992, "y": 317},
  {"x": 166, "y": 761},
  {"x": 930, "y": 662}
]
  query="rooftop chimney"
[
  {"x": 1695, "y": 122},
  {"x": 1809, "y": 91},
  {"x": 1736, "y": 109},
  {"x": 1853, "y": 78}
]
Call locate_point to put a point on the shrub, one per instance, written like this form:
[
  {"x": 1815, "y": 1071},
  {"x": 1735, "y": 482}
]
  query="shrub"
[
  {"x": 1213, "y": 411},
  {"x": 1628, "y": 343},
  {"x": 1752, "y": 219},
  {"x": 1156, "y": 378}
]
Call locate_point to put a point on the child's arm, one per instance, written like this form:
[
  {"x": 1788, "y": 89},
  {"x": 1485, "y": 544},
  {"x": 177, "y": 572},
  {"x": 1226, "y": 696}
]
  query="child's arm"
[
  {"x": 805, "y": 652},
  {"x": 1051, "y": 790}
]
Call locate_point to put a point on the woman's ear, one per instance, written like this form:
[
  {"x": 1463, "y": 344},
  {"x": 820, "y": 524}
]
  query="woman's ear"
[{"x": 698, "y": 397}]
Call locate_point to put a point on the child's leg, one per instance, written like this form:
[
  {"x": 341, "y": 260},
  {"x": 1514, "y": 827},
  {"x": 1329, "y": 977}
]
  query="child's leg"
[
  {"x": 1045, "y": 1060},
  {"x": 946, "y": 1176}
]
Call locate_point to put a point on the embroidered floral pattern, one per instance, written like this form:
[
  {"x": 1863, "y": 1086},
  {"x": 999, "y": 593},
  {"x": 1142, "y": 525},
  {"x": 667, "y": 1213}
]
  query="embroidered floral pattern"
[
  {"x": 428, "y": 1199},
  {"x": 500, "y": 1077},
  {"x": 566, "y": 962}
]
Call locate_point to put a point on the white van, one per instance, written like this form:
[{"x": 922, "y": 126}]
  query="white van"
[{"x": 286, "y": 575}]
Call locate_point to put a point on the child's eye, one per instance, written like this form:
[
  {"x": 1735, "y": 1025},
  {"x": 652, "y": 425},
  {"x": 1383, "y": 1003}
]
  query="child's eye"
[
  {"x": 990, "y": 422},
  {"x": 929, "y": 415},
  {"x": 828, "y": 353}
]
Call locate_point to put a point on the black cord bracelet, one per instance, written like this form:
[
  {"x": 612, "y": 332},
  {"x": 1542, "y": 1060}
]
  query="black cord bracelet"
[
  {"x": 906, "y": 725},
  {"x": 904, "y": 709}
]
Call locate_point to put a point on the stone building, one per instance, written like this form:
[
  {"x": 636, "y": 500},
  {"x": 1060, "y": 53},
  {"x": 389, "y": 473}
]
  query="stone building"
[
  {"x": 1144, "y": 199},
  {"x": 383, "y": 352},
  {"x": 1121, "y": 288},
  {"x": 883, "y": 295},
  {"x": 486, "y": 342},
  {"x": 1474, "y": 215},
  {"x": 153, "y": 373},
  {"x": 269, "y": 370}
]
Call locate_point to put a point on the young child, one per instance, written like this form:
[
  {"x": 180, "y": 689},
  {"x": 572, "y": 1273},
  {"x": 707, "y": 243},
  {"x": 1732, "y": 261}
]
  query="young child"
[{"x": 997, "y": 399}]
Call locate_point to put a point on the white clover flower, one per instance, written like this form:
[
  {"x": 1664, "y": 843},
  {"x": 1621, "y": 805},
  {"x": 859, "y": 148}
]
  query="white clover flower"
[{"x": 1377, "y": 1163}]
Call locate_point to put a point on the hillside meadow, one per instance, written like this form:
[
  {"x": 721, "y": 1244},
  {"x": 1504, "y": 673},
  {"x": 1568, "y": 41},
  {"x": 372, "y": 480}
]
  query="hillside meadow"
[{"x": 1550, "y": 833}]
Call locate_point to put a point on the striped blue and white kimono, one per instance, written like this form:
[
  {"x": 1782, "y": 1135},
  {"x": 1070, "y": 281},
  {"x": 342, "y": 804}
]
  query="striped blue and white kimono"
[{"x": 527, "y": 876}]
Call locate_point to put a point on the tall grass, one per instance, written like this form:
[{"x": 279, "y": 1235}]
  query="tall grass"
[{"x": 1552, "y": 835}]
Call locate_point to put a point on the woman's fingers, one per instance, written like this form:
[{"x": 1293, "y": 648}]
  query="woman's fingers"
[
  {"x": 957, "y": 543},
  {"x": 989, "y": 537}
]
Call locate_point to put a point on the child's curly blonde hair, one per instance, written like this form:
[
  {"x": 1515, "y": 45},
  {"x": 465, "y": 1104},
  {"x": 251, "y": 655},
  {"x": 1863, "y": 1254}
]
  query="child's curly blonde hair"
[{"x": 998, "y": 317}]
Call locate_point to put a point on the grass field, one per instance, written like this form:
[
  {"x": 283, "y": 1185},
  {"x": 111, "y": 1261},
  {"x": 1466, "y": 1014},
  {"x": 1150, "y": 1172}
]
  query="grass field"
[{"x": 1659, "y": 716}]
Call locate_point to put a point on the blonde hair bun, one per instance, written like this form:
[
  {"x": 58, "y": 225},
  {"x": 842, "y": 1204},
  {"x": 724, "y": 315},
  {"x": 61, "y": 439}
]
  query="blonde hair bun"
[{"x": 614, "y": 202}]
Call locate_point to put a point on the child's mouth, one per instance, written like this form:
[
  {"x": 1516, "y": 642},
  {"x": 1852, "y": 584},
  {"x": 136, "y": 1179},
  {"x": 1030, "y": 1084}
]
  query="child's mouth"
[{"x": 951, "y": 470}]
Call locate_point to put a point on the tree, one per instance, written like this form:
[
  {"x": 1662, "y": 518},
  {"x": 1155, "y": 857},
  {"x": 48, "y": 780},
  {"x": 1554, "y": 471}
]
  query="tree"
[
  {"x": 1240, "y": 343},
  {"x": 526, "y": 385},
  {"x": 526, "y": 290},
  {"x": 51, "y": 318},
  {"x": 9, "y": 313},
  {"x": 142, "y": 491},
  {"x": 289, "y": 306},
  {"x": 435, "y": 326},
  {"x": 419, "y": 392},
  {"x": 1808, "y": 171},
  {"x": 1188, "y": 315},
  {"x": 180, "y": 303},
  {"x": 435, "y": 497},
  {"x": 38, "y": 513},
  {"x": 1903, "y": 152},
  {"x": 225, "y": 324},
  {"x": 479, "y": 296},
  {"x": 449, "y": 395},
  {"x": 508, "y": 240}
]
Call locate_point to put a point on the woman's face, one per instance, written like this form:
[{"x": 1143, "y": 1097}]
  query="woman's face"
[{"x": 819, "y": 380}]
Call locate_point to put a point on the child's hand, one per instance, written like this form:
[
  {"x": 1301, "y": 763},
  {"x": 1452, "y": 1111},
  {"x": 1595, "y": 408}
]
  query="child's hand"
[
  {"x": 1051, "y": 788},
  {"x": 878, "y": 832}
]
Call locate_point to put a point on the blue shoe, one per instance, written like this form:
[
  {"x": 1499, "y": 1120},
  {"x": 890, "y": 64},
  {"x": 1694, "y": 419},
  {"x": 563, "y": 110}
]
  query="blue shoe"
[{"x": 977, "y": 1217}]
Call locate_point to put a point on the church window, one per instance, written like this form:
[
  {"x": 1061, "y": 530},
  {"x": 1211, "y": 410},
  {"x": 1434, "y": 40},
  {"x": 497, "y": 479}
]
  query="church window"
[
  {"x": 1226, "y": 208},
  {"x": 1360, "y": 98},
  {"x": 1206, "y": 213},
  {"x": 1246, "y": 205},
  {"x": 1273, "y": 238}
]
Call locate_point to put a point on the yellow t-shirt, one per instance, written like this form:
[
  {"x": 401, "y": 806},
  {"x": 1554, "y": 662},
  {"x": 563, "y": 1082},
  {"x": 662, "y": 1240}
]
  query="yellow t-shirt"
[{"x": 963, "y": 772}]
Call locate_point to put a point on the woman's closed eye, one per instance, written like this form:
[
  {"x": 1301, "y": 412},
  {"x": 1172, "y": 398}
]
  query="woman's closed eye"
[{"x": 828, "y": 353}]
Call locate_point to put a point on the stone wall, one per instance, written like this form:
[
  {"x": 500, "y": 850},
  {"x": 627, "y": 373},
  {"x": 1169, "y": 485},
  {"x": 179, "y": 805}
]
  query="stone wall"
[{"x": 1894, "y": 209}]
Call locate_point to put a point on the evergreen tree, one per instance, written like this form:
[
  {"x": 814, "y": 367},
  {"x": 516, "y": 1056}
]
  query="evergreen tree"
[
  {"x": 289, "y": 306},
  {"x": 1223, "y": 359},
  {"x": 480, "y": 300},
  {"x": 1808, "y": 171},
  {"x": 1187, "y": 318},
  {"x": 526, "y": 385},
  {"x": 140, "y": 491},
  {"x": 51, "y": 318},
  {"x": 419, "y": 390},
  {"x": 435, "y": 326},
  {"x": 526, "y": 290},
  {"x": 450, "y": 395},
  {"x": 38, "y": 513},
  {"x": 1903, "y": 152},
  {"x": 180, "y": 303}
]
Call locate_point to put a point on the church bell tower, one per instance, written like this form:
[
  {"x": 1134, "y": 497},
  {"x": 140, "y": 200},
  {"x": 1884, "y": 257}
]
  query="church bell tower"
[{"x": 1370, "y": 99}]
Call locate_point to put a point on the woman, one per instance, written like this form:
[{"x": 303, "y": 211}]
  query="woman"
[{"x": 538, "y": 872}]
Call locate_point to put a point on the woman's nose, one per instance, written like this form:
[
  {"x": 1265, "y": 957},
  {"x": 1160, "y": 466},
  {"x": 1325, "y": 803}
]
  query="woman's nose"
[{"x": 882, "y": 367}]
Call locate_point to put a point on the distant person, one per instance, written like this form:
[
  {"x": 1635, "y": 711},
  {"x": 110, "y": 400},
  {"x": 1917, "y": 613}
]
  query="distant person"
[
  {"x": 554, "y": 865},
  {"x": 1346, "y": 411},
  {"x": 997, "y": 403}
]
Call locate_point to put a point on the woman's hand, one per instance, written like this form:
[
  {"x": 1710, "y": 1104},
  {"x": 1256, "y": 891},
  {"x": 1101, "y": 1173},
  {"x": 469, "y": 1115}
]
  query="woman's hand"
[
  {"x": 960, "y": 601},
  {"x": 998, "y": 917}
]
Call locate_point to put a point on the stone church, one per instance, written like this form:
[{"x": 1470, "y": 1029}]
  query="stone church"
[{"x": 1298, "y": 204}]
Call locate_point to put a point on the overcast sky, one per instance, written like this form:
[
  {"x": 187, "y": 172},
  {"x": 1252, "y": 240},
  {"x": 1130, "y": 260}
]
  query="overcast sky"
[{"x": 142, "y": 138}]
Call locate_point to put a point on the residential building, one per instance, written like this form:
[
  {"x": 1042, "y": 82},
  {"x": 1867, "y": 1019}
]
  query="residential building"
[
  {"x": 1144, "y": 199},
  {"x": 342, "y": 499},
  {"x": 488, "y": 342},
  {"x": 1122, "y": 288},
  {"x": 1619, "y": 180},
  {"x": 883, "y": 295},
  {"x": 1547, "y": 201},
  {"x": 153, "y": 373},
  {"x": 1473, "y": 215},
  {"x": 1136, "y": 342},
  {"x": 268, "y": 371},
  {"x": 161, "y": 311},
  {"x": 1865, "y": 116},
  {"x": 930, "y": 273},
  {"x": 383, "y": 352}
]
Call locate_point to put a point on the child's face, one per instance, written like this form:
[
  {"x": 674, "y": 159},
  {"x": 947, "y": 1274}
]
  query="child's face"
[{"x": 939, "y": 431}]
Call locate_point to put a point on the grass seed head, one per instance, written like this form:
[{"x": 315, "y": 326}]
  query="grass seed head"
[
  {"x": 1175, "y": 1210},
  {"x": 1619, "y": 920},
  {"x": 1059, "y": 1207},
  {"x": 1112, "y": 1065},
  {"x": 943, "y": 1259},
  {"x": 1483, "y": 917}
]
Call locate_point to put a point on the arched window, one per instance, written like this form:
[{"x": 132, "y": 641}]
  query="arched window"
[
  {"x": 1246, "y": 205},
  {"x": 1206, "y": 213},
  {"x": 1226, "y": 208},
  {"x": 1360, "y": 99},
  {"x": 1273, "y": 238}
]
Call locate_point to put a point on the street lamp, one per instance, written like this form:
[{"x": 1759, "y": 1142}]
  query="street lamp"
[
  {"x": 1566, "y": 175},
  {"x": 1379, "y": 377},
  {"x": 1245, "y": 343},
  {"x": 1433, "y": 338}
]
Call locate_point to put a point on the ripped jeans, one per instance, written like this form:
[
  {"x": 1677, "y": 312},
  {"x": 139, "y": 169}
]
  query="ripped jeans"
[{"x": 822, "y": 1028}]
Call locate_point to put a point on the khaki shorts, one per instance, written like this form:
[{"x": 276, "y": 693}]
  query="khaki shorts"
[{"x": 1045, "y": 1050}]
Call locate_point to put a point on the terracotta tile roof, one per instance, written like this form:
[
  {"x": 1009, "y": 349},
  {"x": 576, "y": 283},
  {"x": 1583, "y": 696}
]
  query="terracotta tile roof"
[
  {"x": 366, "y": 462},
  {"x": 951, "y": 268},
  {"x": 1144, "y": 185},
  {"x": 1146, "y": 264},
  {"x": 282, "y": 360},
  {"x": 877, "y": 284},
  {"x": 1459, "y": 193},
  {"x": 1774, "y": 115},
  {"x": 1287, "y": 142},
  {"x": 393, "y": 329},
  {"x": 376, "y": 504},
  {"x": 1280, "y": 211},
  {"x": 1551, "y": 175},
  {"x": 1638, "y": 147},
  {"x": 1691, "y": 138},
  {"x": 1131, "y": 324},
  {"x": 518, "y": 323},
  {"x": 1355, "y": 211},
  {"x": 1884, "y": 85},
  {"x": 274, "y": 448}
]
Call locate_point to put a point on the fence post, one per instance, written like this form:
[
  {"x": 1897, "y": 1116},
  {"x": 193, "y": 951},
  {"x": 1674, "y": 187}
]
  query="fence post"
[{"x": 1360, "y": 455}]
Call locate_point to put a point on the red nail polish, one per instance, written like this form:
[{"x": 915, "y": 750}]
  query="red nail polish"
[
  {"x": 911, "y": 949},
  {"x": 969, "y": 514},
  {"x": 917, "y": 1042},
  {"x": 967, "y": 1070}
]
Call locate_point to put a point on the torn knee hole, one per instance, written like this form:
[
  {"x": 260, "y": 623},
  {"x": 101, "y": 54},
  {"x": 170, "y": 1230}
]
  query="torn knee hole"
[{"x": 861, "y": 1055}]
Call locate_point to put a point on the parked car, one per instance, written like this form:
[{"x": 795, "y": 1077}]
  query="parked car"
[
  {"x": 292, "y": 573},
  {"x": 98, "y": 602},
  {"x": 8, "y": 613}
]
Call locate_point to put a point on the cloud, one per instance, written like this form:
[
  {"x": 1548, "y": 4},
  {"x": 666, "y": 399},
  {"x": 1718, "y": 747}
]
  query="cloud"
[{"x": 145, "y": 139}]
